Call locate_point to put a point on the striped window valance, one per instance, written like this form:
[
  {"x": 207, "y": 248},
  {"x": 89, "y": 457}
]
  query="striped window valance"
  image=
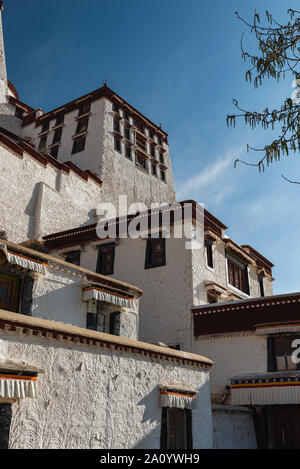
[
  {"x": 14, "y": 385},
  {"x": 111, "y": 297},
  {"x": 23, "y": 260},
  {"x": 276, "y": 389},
  {"x": 178, "y": 398}
]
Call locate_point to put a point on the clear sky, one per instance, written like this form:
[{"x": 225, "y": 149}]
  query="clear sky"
[{"x": 179, "y": 63}]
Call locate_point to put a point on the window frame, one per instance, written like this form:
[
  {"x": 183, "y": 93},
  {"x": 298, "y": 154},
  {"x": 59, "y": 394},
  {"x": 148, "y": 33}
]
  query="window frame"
[
  {"x": 71, "y": 254},
  {"x": 99, "y": 267},
  {"x": 165, "y": 434},
  {"x": 150, "y": 263},
  {"x": 76, "y": 145},
  {"x": 243, "y": 267}
]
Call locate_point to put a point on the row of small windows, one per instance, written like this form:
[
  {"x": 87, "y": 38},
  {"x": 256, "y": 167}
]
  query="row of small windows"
[
  {"x": 137, "y": 123},
  {"x": 140, "y": 160},
  {"x": 237, "y": 272},
  {"x": 155, "y": 256},
  {"x": 81, "y": 128}
]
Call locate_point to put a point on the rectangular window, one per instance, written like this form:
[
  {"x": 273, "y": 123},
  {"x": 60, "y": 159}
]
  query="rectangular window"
[
  {"x": 106, "y": 259},
  {"x": 118, "y": 146},
  {"x": 155, "y": 253},
  {"x": 141, "y": 143},
  {"x": 128, "y": 153},
  {"x": 117, "y": 126},
  {"x": 45, "y": 125},
  {"x": 43, "y": 142},
  {"x": 152, "y": 149},
  {"x": 73, "y": 257},
  {"x": 54, "y": 152},
  {"x": 176, "y": 429},
  {"x": 161, "y": 158},
  {"x": 60, "y": 118},
  {"x": 211, "y": 299},
  {"x": 116, "y": 108},
  {"x": 141, "y": 161},
  {"x": 209, "y": 253},
  {"x": 103, "y": 321},
  {"x": 280, "y": 353},
  {"x": 57, "y": 135},
  {"x": 154, "y": 170},
  {"x": 78, "y": 145},
  {"x": 238, "y": 274},
  {"x": 9, "y": 293},
  {"x": 84, "y": 108},
  {"x": 127, "y": 133},
  {"x": 82, "y": 125},
  {"x": 163, "y": 175},
  {"x": 126, "y": 115},
  {"x": 19, "y": 113},
  {"x": 261, "y": 285},
  {"x": 5, "y": 423}
]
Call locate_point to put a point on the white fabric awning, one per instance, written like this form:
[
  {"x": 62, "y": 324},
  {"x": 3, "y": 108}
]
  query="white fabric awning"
[
  {"x": 99, "y": 294},
  {"x": 177, "y": 398},
  {"x": 24, "y": 261},
  {"x": 17, "y": 388},
  {"x": 275, "y": 389}
]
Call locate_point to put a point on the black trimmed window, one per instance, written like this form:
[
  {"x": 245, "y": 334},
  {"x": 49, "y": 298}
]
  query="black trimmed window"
[
  {"x": 60, "y": 118},
  {"x": 127, "y": 133},
  {"x": 73, "y": 257},
  {"x": 84, "y": 108},
  {"x": 106, "y": 322},
  {"x": 154, "y": 170},
  {"x": 82, "y": 125},
  {"x": 78, "y": 145},
  {"x": 155, "y": 253},
  {"x": 5, "y": 423},
  {"x": 43, "y": 142},
  {"x": 57, "y": 135},
  {"x": 209, "y": 253},
  {"x": 280, "y": 352},
  {"x": 176, "y": 429},
  {"x": 106, "y": 259},
  {"x": 163, "y": 175},
  {"x": 141, "y": 161},
  {"x": 211, "y": 299},
  {"x": 152, "y": 150},
  {"x": 128, "y": 153},
  {"x": 54, "y": 152},
  {"x": 118, "y": 146},
  {"x": 45, "y": 125},
  {"x": 19, "y": 113},
  {"x": 237, "y": 274},
  {"x": 261, "y": 285},
  {"x": 117, "y": 126},
  {"x": 161, "y": 158}
]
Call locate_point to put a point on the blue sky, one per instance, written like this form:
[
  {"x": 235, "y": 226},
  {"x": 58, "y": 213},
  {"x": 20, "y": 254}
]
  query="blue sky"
[{"x": 179, "y": 63}]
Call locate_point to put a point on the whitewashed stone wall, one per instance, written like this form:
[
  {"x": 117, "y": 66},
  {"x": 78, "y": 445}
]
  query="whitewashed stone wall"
[
  {"x": 202, "y": 274},
  {"x": 36, "y": 201},
  {"x": 165, "y": 307},
  {"x": 234, "y": 354},
  {"x": 57, "y": 296},
  {"x": 169, "y": 291},
  {"x": 94, "y": 398},
  {"x": 119, "y": 175},
  {"x": 233, "y": 428}
]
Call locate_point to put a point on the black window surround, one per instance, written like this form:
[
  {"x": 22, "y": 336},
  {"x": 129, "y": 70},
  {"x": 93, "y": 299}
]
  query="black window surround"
[
  {"x": 155, "y": 253},
  {"x": 106, "y": 259},
  {"x": 237, "y": 271},
  {"x": 78, "y": 145},
  {"x": 209, "y": 253},
  {"x": 176, "y": 429}
]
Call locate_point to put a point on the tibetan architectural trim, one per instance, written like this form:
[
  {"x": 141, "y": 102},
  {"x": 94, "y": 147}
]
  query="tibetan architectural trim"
[
  {"x": 49, "y": 330},
  {"x": 279, "y": 388},
  {"x": 245, "y": 315},
  {"x": 177, "y": 397},
  {"x": 19, "y": 146},
  {"x": 88, "y": 275}
]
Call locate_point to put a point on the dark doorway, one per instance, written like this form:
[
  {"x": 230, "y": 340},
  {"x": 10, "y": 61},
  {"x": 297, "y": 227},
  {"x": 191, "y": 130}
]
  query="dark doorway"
[
  {"x": 5, "y": 421},
  {"x": 287, "y": 426}
]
